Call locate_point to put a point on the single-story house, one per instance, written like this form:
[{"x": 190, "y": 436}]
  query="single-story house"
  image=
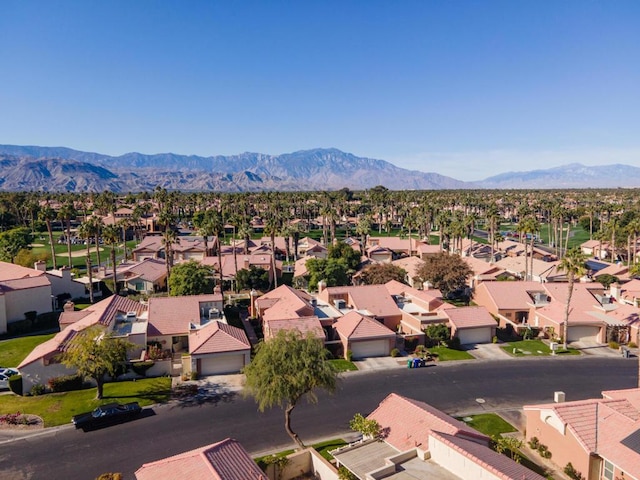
[
  {"x": 599, "y": 437},
  {"x": 225, "y": 460},
  {"x": 218, "y": 348},
  {"x": 471, "y": 324},
  {"x": 363, "y": 336}
]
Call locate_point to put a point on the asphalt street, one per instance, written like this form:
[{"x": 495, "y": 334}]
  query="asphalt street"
[{"x": 174, "y": 428}]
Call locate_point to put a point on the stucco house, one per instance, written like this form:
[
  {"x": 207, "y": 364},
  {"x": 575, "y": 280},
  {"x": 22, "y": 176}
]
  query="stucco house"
[
  {"x": 420, "y": 441},
  {"x": 471, "y": 324},
  {"x": 22, "y": 290},
  {"x": 225, "y": 460},
  {"x": 147, "y": 276},
  {"x": 364, "y": 336},
  {"x": 599, "y": 437}
]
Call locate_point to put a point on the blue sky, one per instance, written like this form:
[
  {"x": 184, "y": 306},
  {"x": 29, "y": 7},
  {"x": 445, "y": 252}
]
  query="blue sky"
[{"x": 463, "y": 88}]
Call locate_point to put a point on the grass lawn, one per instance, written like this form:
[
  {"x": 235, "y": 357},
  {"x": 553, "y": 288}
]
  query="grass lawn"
[
  {"x": 342, "y": 365},
  {"x": 14, "y": 350},
  {"x": 322, "y": 448},
  {"x": 490, "y": 424},
  {"x": 58, "y": 408},
  {"x": 536, "y": 348},
  {"x": 448, "y": 354}
]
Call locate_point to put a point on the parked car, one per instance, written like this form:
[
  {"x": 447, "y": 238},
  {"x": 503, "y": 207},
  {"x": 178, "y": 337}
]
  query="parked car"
[
  {"x": 108, "y": 414},
  {"x": 5, "y": 373}
]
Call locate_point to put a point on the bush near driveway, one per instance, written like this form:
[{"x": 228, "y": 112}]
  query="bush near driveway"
[
  {"x": 14, "y": 350},
  {"x": 58, "y": 408}
]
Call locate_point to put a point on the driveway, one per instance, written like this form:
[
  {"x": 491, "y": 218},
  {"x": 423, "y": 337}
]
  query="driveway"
[
  {"x": 487, "y": 351},
  {"x": 600, "y": 350},
  {"x": 380, "y": 363}
]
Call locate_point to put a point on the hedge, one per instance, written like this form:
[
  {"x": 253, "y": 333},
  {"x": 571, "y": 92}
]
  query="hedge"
[
  {"x": 141, "y": 367},
  {"x": 65, "y": 383}
]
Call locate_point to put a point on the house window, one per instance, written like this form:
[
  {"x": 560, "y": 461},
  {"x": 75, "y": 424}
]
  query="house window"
[
  {"x": 607, "y": 470},
  {"x": 139, "y": 286}
]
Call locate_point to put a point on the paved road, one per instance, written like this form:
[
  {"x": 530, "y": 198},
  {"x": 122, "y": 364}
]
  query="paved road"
[{"x": 172, "y": 429}]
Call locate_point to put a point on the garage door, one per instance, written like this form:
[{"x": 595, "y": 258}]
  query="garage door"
[
  {"x": 370, "y": 348},
  {"x": 474, "y": 335},
  {"x": 583, "y": 333},
  {"x": 219, "y": 364}
]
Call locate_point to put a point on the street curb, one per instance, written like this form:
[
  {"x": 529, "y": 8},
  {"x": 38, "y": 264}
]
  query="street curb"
[{"x": 44, "y": 431}]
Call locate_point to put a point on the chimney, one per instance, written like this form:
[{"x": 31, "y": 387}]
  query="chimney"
[
  {"x": 40, "y": 266},
  {"x": 69, "y": 306},
  {"x": 615, "y": 290},
  {"x": 321, "y": 286},
  {"x": 247, "y": 263},
  {"x": 253, "y": 295},
  {"x": 558, "y": 397}
]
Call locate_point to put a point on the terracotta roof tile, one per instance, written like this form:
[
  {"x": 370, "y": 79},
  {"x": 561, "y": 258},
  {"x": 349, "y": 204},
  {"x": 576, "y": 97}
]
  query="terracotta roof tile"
[
  {"x": 172, "y": 315},
  {"x": 408, "y": 423},
  {"x": 217, "y": 337},
  {"x": 226, "y": 460},
  {"x": 470, "y": 317},
  {"x": 359, "y": 327}
]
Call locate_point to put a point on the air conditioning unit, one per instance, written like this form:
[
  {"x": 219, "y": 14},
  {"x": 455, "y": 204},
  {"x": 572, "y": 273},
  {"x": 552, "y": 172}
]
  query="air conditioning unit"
[
  {"x": 131, "y": 316},
  {"x": 214, "y": 313},
  {"x": 339, "y": 304}
]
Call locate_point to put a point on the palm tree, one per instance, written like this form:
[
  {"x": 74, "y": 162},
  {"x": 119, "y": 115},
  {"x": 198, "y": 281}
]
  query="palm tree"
[
  {"x": 67, "y": 211},
  {"x": 362, "y": 229},
  {"x": 48, "y": 215},
  {"x": 86, "y": 231},
  {"x": 111, "y": 236},
  {"x": 573, "y": 263}
]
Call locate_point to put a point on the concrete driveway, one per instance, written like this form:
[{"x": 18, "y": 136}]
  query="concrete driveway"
[
  {"x": 487, "y": 351},
  {"x": 380, "y": 363}
]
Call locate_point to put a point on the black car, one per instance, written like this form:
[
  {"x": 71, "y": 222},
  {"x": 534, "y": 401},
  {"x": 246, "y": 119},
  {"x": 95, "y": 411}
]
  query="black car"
[{"x": 106, "y": 415}]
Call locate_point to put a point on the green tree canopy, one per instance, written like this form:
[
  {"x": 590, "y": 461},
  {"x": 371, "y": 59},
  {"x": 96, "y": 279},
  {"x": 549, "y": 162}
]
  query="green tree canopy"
[
  {"x": 95, "y": 354},
  {"x": 254, "y": 277},
  {"x": 287, "y": 368},
  {"x": 341, "y": 250},
  {"x": 332, "y": 271},
  {"x": 12, "y": 241},
  {"x": 381, "y": 273},
  {"x": 445, "y": 272},
  {"x": 190, "y": 278}
]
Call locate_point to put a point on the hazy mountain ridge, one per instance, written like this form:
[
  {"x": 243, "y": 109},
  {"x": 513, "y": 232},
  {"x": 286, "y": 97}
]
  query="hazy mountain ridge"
[
  {"x": 65, "y": 169},
  {"x": 318, "y": 169},
  {"x": 574, "y": 175}
]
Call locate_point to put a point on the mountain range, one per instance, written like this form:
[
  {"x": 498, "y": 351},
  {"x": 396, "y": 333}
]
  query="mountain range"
[{"x": 62, "y": 169}]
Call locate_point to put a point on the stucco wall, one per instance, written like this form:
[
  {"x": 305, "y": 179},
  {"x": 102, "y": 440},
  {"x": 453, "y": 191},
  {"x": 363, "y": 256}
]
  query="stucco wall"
[
  {"x": 37, "y": 373},
  {"x": 306, "y": 461},
  {"x": 17, "y": 302},
  {"x": 3, "y": 314},
  {"x": 563, "y": 446},
  {"x": 65, "y": 284},
  {"x": 457, "y": 463}
]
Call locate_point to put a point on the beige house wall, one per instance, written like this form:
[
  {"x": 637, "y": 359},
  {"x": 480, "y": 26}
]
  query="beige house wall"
[
  {"x": 457, "y": 463},
  {"x": 564, "y": 447},
  {"x": 38, "y": 373},
  {"x": 307, "y": 461},
  {"x": 3, "y": 314},
  {"x": 17, "y": 302}
]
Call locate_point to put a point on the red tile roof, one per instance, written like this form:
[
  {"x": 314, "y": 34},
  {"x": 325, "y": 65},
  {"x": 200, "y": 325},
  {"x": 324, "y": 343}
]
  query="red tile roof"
[
  {"x": 358, "y": 327},
  {"x": 304, "y": 325},
  {"x": 373, "y": 298},
  {"x": 16, "y": 277},
  {"x": 470, "y": 317},
  {"x": 217, "y": 337},
  {"x": 172, "y": 315},
  {"x": 408, "y": 423},
  {"x": 226, "y": 460},
  {"x": 285, "y": 302}
]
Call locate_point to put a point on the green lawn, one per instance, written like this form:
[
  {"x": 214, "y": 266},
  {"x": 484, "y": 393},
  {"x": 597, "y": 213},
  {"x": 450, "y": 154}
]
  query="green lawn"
[
  {"x": 322, "y": 448},
  {"x": 14, "y": 350},
  {"x": 534, "y": 348},
  {"x": 448, "y": 354},
  {"x": 58, "y": 408},
  {"x": 490, "y": 424},
  {"x": 342, "y": 365}
]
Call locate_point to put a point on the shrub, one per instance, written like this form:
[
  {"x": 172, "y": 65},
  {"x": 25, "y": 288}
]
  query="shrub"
[
  {"x": 65, "y": 383},
  {"x": 349, "y": 355},
  {"x": 632, "y": 345},
  {"x": 14, "y": 419},
  {"x": 453, "y": 343},
  {"x": 110, "y": 476},
  {"x": 494, "y": 339},
  {"x": 410, "y": 343},
  {"x": 614, "y": 345},
  {"x": 572, "y": 472},
  {"x": 544, "y": 451},
  {"x": 31, "y": 315},
  {"x": 141, "y": 368},
  {"x": 344, "y": 474},
  {"x": 38, "y": 389},
  {"x": 534, "y": 443},
  {"x": 19, "y": 327},
  {"x": 15, "y": 384},
  {"x": 395, "y": 352},
  {"x": 194, "y": 375}
]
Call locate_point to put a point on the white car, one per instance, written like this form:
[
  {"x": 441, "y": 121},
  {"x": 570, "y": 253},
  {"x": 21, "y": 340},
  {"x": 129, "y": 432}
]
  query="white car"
[{"x": 5, "y": 373}]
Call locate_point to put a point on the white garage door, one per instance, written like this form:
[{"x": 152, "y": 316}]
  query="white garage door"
[
  {"x": 370, "y": 348},
  {"x": 474, "y": 335},
  {"x": 217, "y": 365},
  {"x": 583, "y": 333}
]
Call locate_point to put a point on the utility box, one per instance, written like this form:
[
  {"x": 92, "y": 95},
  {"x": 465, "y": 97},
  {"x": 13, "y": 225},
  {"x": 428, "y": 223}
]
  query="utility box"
[{"x": 558, "y": 397}]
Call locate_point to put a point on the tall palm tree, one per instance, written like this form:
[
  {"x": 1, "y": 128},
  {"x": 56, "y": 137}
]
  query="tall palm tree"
[
  {"x": 111, "y": 236},
  {"x": 573, "y": 263},
  {"x": 48, "y": 215},
  {"x": 86, "y": 231},
  {"x": 67, "y": 211}
]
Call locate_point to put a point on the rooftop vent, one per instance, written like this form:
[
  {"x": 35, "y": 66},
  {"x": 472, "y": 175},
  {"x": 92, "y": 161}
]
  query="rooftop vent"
[
  {"x": 340, "y": 304},
  {"x": 131, "y": 315}
]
